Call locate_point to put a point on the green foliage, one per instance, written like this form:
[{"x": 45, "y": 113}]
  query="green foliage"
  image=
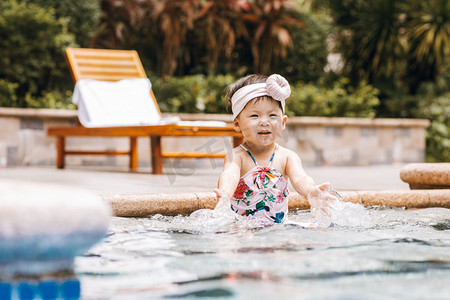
[
  {"x": 196, "y": 94},
  {"x": 438, "y": 134},
  {"x": 371, "y": 36},
  {"x": 435, "y": 106},
  {"x": 429, "y": 30},
  {"x": 32, "y": 43},
  {"x": 53, "y": 99},
  {"x": 178, "y": 94},
  {"x": 192, "y": 94},
  {"x": 443, "y": 78},
  {"x": 214, "y": 91},
  {"x": 306, "y": 59},
  {"x": 394, "y": 102},
  {"x": 403, "y": 41},
  {"x": 179, "y": 37},
  {"x": 8, "y": 96},
  {"x": 82, "y": 16},
  {"x": 342, "y": 100}
]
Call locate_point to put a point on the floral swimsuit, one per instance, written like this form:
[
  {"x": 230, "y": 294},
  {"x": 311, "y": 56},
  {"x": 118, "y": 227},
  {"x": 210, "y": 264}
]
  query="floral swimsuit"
[{"x": 262, "y": 193}]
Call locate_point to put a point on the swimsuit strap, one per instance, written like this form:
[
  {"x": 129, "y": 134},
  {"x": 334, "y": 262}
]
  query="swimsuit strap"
[
  {"x": 273, "y": 154},
  {"x": 254, "y": 160}
]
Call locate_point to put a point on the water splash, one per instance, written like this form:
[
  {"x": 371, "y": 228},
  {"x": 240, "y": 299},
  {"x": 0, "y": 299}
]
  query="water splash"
[
  {"x": 346, "y": 214},
  {"x": 205, "y": 221},
  {"x": 224, "y": 220}
]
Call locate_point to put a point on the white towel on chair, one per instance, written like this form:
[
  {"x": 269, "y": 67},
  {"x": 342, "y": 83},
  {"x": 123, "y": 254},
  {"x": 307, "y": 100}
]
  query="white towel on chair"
[
  {"x": 122, "y": 103},
  {"x": 115, "y": 103}
]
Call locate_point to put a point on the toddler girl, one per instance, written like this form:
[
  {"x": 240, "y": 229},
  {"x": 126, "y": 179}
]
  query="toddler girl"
[{"x": 254, "y": 180}]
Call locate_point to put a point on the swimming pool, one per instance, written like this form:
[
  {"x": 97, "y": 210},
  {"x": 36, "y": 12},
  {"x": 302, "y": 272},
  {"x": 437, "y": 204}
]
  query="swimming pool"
[{"x": 404, "y": 255}]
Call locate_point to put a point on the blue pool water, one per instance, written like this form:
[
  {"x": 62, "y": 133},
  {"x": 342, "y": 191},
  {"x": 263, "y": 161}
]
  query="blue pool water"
[
  {"x": 403, "y": 254},
  {"x": 41, "y": 289}
]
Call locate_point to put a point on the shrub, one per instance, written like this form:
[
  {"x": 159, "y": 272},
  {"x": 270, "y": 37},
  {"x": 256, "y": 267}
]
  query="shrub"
[
  {"x": 53, "y": 99},
  {"x": 32, "y": 43},
  {"x": 438, "y": 134},
  {"x": 342, "y": 100},
  {"x": 214, "y": 93},
  {"x": 179, "y": 94},
  {"x": 8, "y": 96},
  {"x": 307, "y": 58},
  {"x": 192, "y": 94},
  {"x": 82, "y": 16},
  {"x": 196, "y": 94}
]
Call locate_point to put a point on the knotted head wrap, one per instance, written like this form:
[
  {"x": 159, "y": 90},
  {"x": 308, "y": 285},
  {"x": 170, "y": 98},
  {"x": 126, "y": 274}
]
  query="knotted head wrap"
[{"x": 276, "y": 86}]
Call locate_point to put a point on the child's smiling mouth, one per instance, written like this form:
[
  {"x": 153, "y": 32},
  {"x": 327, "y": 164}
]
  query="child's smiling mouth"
[{"x": 264, "y": 132}]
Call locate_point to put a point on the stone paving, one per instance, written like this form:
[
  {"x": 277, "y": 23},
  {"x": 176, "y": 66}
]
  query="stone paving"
[
  {"x": 140, "y": 194},
  {"x": 103, "y": 180}
]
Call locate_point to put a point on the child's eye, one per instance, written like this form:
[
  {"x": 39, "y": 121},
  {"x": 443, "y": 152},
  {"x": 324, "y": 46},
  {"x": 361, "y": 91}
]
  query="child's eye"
[
  {"x": 253, "y": 116},
  {"x": 273, "y": 115}
]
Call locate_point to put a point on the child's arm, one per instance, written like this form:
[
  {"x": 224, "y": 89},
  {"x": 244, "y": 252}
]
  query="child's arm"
[
  {"x": 305, "y": 186},
  {"x": 228, "y": 180}
]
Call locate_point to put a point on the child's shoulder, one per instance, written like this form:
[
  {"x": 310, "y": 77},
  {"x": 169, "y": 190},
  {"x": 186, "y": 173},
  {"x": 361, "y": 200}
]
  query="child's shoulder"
[
  {"x": 236, "y": 154},
  {"x": 239, "y": 150},
  {"x": 286, "y": 152},
  {"x": 288, "y": 156}
]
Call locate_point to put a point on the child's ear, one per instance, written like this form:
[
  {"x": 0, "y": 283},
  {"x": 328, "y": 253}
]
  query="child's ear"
[
  {"x": 236, "y": 126},
  {"x": 283, "y": 121}
]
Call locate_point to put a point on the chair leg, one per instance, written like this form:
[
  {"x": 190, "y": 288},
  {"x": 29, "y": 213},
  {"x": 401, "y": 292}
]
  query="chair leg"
[
  {"x": 133, "y": 154},
  {"x": 60, "y": 152},
  {"x": 156, "y": 154}
]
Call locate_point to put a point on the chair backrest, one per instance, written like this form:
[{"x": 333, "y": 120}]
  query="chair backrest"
[{"x": 106, "y": 65}]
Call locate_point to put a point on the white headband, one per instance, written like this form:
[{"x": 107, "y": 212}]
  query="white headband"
[{"x": 276, "y": 86}]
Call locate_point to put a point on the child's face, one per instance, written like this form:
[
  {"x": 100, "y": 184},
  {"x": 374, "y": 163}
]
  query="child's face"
[{"x": 261, "y": 122}]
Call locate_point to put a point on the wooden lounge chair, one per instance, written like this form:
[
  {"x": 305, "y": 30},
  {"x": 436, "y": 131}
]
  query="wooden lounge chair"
[{"x": 115, "y": 65}]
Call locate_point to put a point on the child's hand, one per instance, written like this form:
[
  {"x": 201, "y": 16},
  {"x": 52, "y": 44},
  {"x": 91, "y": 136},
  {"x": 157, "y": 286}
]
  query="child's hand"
[
  {"x": 222, "y": 199},
  {"x": 318, "y": 198}
]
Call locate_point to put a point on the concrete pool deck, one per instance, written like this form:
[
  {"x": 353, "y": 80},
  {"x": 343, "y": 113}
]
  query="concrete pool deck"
[
  {"x": 115, "y": 180},
  {"x": 133, "y": 194}
]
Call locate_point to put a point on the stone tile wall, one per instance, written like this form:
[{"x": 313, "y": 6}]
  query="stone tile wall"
[{"x": 318, "y": 141}]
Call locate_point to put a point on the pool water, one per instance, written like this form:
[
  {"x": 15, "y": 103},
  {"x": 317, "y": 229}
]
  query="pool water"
[
  {"x": 404, "y": 254},
  {"x": 47, "y": 288}
]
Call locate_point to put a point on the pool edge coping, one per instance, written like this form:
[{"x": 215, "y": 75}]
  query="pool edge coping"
[{"x": 144, "y": 205}]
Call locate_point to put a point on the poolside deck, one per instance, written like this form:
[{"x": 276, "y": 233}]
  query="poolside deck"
[
  {"x": 102, "y": 180},
  {"x": 140, "y": 194}
]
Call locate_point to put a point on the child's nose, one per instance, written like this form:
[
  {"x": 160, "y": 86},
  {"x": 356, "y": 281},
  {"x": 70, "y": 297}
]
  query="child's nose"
[{"x": 264, "y": 121}]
